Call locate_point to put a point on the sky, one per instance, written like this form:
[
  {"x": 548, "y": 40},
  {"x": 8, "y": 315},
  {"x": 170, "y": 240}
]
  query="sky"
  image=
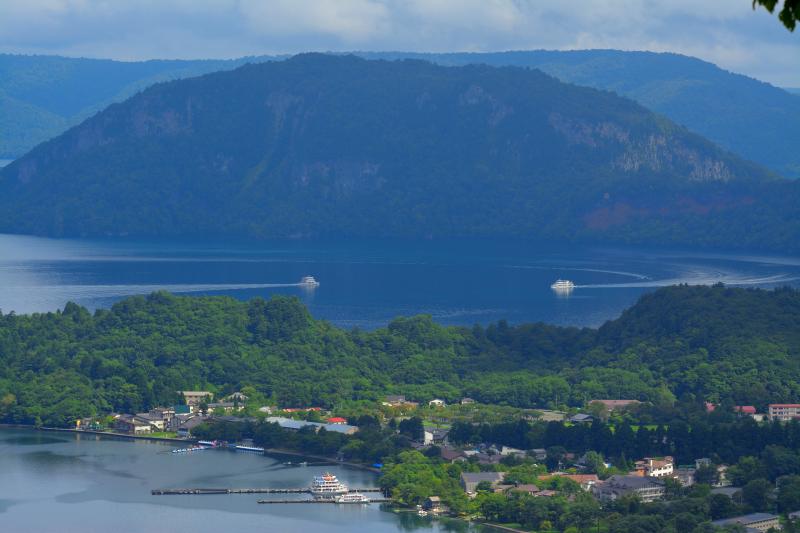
[{"x": 725, "y": 32}]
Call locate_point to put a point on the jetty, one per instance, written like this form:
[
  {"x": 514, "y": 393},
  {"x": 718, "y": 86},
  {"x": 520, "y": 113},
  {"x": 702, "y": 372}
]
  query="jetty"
[
  {"x": 203, "y": 491},
  {"x": 372, "y": 500}
]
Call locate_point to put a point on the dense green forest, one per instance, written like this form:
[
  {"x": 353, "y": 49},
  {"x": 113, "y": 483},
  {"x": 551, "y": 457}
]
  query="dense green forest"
[
  {"x": 322, "y": 145},
  {"x": 713, "y": 343}
]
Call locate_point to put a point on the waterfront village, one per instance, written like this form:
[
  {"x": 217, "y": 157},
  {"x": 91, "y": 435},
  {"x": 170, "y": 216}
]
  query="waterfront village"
[{"x": 495, "y": 467}]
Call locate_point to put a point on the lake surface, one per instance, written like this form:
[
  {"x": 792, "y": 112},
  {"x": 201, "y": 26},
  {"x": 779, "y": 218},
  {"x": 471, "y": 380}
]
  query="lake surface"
[
  {"x": 367, "y": 284},
  {"x": 65, "y": 482}
]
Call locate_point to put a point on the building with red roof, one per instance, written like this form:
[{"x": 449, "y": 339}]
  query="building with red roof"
[{"x": 337, "y": 420}]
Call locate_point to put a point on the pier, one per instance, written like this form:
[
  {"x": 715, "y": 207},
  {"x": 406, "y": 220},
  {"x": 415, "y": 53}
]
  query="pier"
[
  {"x": 168, "y": 492},
  {"x": 375, "y": 500}
]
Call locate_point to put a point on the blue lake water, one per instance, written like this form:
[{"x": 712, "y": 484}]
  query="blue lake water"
[
  {"x": 65, "y": 483},
  {"x": 366, "y": 284}
]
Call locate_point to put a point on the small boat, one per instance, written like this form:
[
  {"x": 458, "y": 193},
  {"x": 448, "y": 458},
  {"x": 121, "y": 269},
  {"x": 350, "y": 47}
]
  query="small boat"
[
  {"x": 352, "y": 497},
  {"x": 562, "y": 285},
  {"x": 253, "y": 449},
  {"x": 309, "y": 281}
]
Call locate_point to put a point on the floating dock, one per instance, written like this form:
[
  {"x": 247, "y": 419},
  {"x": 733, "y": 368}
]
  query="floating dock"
[
  {"x": 372, "y": 500},
  {"x": 168, "y": 492}
]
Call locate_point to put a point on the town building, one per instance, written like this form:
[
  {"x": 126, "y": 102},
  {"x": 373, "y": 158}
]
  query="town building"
[
  {"x": 467, "y": 401},
  {"x": 612, "y": 405},
  {"x": 296, "y": 425},
  {"x": 436, "y": 402},
  {"x": 227, "y": 407},
  {"x": 648, "y": 489},
  {"x": 659, "y": 467},
  {"x": 194, "y": 398},
  {"x": 433, "y": 504},
  {"x": 337, "y": 420},
  {"x": 155, "y": 421},
  {"x": 471, "y": 480},
  {"x": 450, "y": 455},
  {"x": 398, "y": 400},
  {"x": 581, "y": 418},
  {"x": 436, "y": 436},
  {"x": 783, "y": 411},
  {"x": 132, "y": 425},
  {"x": 754, "y": 521}
]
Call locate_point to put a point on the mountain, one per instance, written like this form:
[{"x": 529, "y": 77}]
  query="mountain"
[
  {"x": 41, "y": 96},
  {"x": 323, "y": 145},
  {"x": 749, "y": 117}
]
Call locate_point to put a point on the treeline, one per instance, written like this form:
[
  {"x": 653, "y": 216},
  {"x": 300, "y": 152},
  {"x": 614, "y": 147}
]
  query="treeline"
[
  {"x": 711, "y": 343},
  {"x": 686, "y": 440}
]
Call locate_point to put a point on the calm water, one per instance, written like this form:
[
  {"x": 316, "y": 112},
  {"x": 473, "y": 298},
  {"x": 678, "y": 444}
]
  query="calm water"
[
  {"x": 366, "y": 284},
  {"x": 78, "y": 483}
]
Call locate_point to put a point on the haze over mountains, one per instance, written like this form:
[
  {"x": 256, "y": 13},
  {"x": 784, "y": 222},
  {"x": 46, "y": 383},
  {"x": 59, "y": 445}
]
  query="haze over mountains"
[
  {"x": 40, "y": 96},
  {"x": 323, "y": 145}
]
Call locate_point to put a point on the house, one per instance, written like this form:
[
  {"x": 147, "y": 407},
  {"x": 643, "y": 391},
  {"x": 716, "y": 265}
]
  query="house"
[
  {"x": 648, "y": 489},
  {"x": 467, "y": 401},
  {"x": 450, "y": 455},
  {"x": 540, "y": 454},
  {"x": 586, "y": 481},
  {"x": 341, "y": 428},
  {"x": 526, "y": 488},
  {"x": 181, "y": 409},
  {"x": 783, "y": 411},
  {"x": 507, "y": 451},
  {"x": 132, "y": 425},
  {"x": 436, "y": 402},
  {"x": 236, "y": 397},
  {"x": 487, "y": 459},
  {"x": 470, "y": 480},
  {"x": 612, "y": 405},
  {"x": 744, "y": 409},
  {"x": 433, "y": 504},
  {"x": 194, "y": 398},
  {"x": 162, "y": 413},
  {"x": 398, "y": 400},
  {"x": 659, "y": 467},
  {"x": 185, "y": 429},
  {"x": 337, "y": 420},
  {"x": 155, "y": 421},
  {"x": 265, "y": 409},
  {"x": 581, "y": 418},
  {"x": 685, "y": 475},
  {"x": 227, "y": 407},
  {"x": 436, "y": 435},
  {"x": 754, "y": 521}
]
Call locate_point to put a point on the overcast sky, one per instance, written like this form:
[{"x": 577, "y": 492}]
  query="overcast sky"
[{"x": 726, "y": 32}]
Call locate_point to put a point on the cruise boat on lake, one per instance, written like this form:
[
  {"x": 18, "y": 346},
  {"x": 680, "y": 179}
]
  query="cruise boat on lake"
[
  {"x": 309, "y": 281},
  {"x": 562, "y": 285},
  {"x": 352, "y": 497},
  {"x": 327, "y": 485}
]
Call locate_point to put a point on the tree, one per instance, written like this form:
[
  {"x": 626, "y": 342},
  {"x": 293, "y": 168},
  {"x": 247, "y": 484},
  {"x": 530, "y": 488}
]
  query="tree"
[
  {"x": 706, "y": 474},
  {"x": 788, "y": 494},
  {"x": 757, "y": 495},
  {"x": 412, "y": 428},
  {"x": 789, "y": 14}
]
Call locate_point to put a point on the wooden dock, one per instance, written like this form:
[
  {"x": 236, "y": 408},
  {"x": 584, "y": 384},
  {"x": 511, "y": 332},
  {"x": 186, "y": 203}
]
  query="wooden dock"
[
  {"x": 372, "y": 500},
  {"x": 168, "y": 492}
]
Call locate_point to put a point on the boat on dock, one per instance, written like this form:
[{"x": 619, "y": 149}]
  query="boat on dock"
[
  {"x": 352, "y": 497},
  {"x": 327, "y": 485}
]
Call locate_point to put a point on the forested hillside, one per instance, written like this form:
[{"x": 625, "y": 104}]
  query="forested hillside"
[
  {"x": 321, "y": 145},
  {"x": 41, "y": 96},
  {"x": 57, "y": 366},
  {"x": 754, "y": 119}
]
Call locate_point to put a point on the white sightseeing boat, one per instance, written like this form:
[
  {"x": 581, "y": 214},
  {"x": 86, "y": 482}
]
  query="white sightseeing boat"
[
  {"x": 352, "y": 497},
  {"x": 562, "y": 285},
  {"x": 309, "y": 281},
  {"x": 327, "y": 485}
]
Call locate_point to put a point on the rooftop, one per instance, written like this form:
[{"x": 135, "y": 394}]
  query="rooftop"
[
  {"x": 477, "y": 477},
  {"x": 745, "y": 519}
]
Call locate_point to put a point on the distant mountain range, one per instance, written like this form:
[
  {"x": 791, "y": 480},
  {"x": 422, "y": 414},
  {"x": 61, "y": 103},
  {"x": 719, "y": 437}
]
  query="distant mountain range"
[
  {"x": 323, "y": 145},
  {"x": 41, "y": 96}
]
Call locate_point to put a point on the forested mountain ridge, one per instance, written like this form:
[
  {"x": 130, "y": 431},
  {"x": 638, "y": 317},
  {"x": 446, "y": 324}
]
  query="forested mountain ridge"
[
  {"x": 40, "y": 96},
  {"x": 754, "y": 119},
  {"x": 323, "y": 145},
  {"x": 57, "y": 366}
]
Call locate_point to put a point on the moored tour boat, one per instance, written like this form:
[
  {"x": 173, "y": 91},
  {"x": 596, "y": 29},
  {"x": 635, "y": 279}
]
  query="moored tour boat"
[
  {"x": 352, "y": 497},
  {"x": 327, "y": 485}
]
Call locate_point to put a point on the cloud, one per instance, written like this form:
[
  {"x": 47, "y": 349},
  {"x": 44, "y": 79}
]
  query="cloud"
[{"x": 726, "y": 32}]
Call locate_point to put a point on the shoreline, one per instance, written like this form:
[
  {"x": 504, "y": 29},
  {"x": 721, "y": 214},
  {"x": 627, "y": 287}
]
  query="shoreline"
[
  {"x": 281, "y": 451},
  {"x": 100, "y": 433}
]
